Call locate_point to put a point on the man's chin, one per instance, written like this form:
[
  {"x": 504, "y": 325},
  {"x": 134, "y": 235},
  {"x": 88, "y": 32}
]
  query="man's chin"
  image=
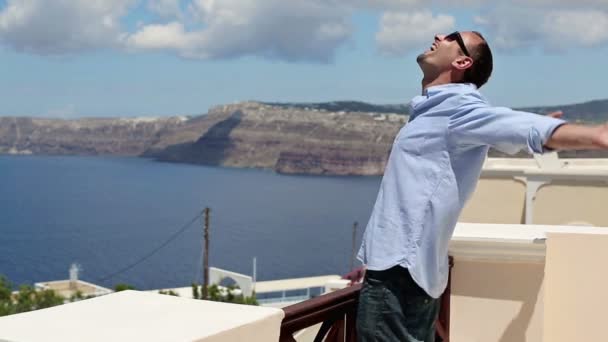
[{"x": 421, "y": 57}]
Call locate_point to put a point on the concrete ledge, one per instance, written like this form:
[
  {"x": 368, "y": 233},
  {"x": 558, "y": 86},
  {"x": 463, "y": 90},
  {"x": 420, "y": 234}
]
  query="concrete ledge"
[
  {"x": 506, "y": 242},
  {"x": 141, "y": 316}
]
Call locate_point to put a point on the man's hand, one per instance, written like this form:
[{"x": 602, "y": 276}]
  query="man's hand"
[
  {"x": 601, "y": 137},
  {"x": 557, "y": 115}
]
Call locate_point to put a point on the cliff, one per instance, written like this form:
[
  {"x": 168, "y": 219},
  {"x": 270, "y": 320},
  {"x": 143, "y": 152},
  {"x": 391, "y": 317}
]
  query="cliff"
[
  {"x": 337, "y": 138},
  {"x": 104, "y": 136},
  {"x": 287, "y": 139}
]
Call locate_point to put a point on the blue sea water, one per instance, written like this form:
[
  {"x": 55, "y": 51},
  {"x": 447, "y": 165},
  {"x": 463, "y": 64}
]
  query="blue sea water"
[{"x": 106, "y": 213}]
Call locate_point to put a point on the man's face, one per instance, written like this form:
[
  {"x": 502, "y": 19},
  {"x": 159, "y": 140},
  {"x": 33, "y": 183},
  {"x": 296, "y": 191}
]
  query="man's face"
[{"x": 445, "y": 52}]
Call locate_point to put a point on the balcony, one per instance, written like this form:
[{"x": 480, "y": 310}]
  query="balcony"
[{"x": 510, "y": 283}]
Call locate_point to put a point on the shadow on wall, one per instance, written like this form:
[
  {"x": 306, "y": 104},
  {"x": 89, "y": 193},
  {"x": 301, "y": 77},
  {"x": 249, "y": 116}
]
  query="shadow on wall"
[{"x": 515, "y": 282}]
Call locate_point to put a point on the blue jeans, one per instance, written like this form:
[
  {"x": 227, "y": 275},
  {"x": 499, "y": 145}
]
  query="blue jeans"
[{"x": 392, "y": 307}]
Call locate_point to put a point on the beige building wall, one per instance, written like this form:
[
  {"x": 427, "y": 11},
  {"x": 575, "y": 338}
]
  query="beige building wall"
[
  {"x": 496, "y": 200},
  {"x": 576, "y": 298},
  {"x": 572, "y": 203},
  {"x": 497, "y": 302}
]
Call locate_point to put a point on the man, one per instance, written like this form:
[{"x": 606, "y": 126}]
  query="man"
[{"x": 432, "y": 170}]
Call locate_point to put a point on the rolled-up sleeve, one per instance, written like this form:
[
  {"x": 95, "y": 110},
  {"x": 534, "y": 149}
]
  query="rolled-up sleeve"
[{"x": 502, "y": 128}]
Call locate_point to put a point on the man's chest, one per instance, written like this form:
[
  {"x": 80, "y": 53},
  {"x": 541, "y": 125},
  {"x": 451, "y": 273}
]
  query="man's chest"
[{"x": 424, "y": 135}]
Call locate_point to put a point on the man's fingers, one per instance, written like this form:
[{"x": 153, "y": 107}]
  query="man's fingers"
[{"x": 557, "y": 114}]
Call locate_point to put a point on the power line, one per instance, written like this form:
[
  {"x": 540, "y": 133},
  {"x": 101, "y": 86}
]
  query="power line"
[{"x": 154, "y": 251}]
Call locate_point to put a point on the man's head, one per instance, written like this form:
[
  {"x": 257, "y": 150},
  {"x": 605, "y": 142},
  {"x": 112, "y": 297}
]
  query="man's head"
[{"x": 460, "y": 57}]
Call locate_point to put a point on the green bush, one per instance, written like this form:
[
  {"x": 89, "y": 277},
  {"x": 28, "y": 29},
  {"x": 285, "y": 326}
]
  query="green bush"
[
  {"x": 215, "y": 294},
  {"x": 26, "y": 299},
  {"x": 123, "y": 287},
  {"x": 169, "y": 293}
]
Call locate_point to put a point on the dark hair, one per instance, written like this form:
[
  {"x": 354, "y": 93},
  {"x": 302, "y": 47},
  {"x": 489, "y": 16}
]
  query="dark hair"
[{"x": 480, "y": 71}]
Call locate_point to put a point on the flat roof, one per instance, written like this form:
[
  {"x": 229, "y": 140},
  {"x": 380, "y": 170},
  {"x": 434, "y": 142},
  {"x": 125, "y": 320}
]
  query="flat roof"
[
  {"x": 293, "y": 284},
  {"x": 142, "y": 316},
  {"x": 62, "y": 287},
  {"x": 269, "y": 286}
]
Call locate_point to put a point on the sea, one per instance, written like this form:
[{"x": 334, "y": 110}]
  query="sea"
[{"x": 138, "y": 221}]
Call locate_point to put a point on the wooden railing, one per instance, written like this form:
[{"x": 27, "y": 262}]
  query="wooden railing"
[{"x": 338, "y": 311}]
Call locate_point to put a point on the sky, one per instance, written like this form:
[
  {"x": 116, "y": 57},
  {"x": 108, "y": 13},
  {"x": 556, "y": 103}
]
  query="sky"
[{"x": 84, "y": 58}]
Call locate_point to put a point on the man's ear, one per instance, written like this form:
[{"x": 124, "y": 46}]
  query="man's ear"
[{"x": 462, "y": 63}]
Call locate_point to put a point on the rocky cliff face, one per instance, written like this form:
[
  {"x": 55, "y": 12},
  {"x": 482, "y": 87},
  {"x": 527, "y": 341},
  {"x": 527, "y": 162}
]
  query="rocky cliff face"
[
  {"x": 288, "y": 140},
  {"x": 338, "y": 138},
  {"x": 129, "y": 137}
]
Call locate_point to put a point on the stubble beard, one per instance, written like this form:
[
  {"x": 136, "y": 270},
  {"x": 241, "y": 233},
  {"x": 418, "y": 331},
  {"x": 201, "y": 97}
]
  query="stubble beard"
[
  {"x": 423, "y": 61},
  {"x": 420, "y": 59}
]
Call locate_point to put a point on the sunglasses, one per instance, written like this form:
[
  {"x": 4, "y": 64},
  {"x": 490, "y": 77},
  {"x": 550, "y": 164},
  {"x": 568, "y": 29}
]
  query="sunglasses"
[{"x": 455, "y": 36}]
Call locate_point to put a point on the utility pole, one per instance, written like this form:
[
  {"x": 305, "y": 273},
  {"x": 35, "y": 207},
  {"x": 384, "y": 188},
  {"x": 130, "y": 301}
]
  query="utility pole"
[
  {"x": 255, "y": 271},
  {"x": 352, "y": 259},
  {"x": 206, "y": 256}
]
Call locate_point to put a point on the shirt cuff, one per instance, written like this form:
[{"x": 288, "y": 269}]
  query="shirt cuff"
[{"x": 540, "y": 133}]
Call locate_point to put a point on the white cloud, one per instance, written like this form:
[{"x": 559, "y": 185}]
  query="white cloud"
[
  {"x": 61, "y": 26},
  {"x": 386, "y": 5},
  {"x": 564, "y": 3},
  {"x": 166, "y": 8},
  {"x": 291, "y": 30},
  {"x": 557, "y": 29},
  {"x": 296, "y": 30},
  {"x": 585, "y": 28},
  {"x": 403, "y": 5},
  {"x": 401, "y": 32},
  {"x": 510, "y": 28},
  {"x": 160, "y": 37}
]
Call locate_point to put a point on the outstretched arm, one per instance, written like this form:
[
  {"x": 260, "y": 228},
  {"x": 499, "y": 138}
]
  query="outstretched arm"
[
  {"x": 503, "y": 128},
  {"x": 579, "y": 137}
]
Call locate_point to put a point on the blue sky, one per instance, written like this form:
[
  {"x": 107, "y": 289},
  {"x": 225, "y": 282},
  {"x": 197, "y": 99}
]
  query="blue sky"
[{"x": 75, "y": 58}]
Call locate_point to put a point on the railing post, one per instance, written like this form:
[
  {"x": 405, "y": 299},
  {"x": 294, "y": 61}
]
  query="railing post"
[
  {"x": 336, "y": 333},
  {"x": 351, "y": 325}
]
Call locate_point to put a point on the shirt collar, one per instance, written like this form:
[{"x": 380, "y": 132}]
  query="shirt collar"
[
  {"x": 433, "y": 90},
  {"x": 429, "y": 92}
]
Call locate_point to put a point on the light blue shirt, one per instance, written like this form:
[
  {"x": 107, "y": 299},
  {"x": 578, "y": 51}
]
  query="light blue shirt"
[{"x": 433, "y": 168}]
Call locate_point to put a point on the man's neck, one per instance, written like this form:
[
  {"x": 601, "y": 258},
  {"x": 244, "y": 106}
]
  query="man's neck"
[{"x": 444, "y": 78}]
